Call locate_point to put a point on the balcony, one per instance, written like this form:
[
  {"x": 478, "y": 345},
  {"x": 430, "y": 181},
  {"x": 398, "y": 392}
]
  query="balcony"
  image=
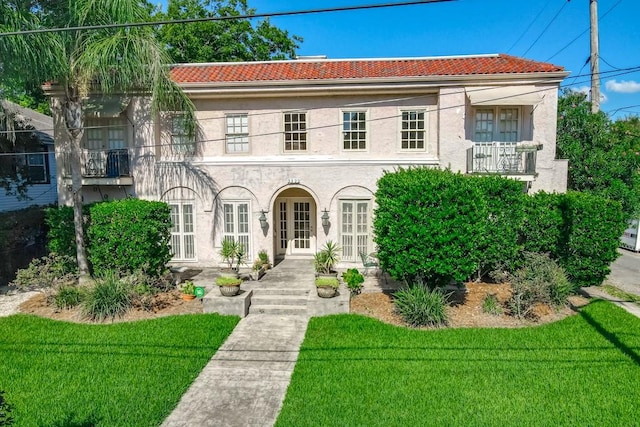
[
  {"x": 501, "y": 158},
  {"x": 102, "y": 167}
]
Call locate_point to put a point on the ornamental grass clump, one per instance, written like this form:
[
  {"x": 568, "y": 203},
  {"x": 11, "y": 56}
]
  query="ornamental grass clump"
[
  {"x": 68, "y": 296},
  {"x": 420, "y": 306},
  {"x": 491, "y": 305},
  {"x": 109, "y": 297}
]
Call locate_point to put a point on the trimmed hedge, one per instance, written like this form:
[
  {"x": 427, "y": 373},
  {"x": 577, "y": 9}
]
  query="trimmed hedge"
[
  {"x": 129, "y": 235},
  {"x": 61, "y": 237},
  {"x": 440, "y": 226}
]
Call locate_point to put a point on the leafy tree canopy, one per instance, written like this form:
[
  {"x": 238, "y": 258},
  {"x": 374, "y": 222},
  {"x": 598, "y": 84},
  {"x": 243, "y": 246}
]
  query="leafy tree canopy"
[
  {"x": 604, "y": 156},
  {"x": 222, "y": 41}
]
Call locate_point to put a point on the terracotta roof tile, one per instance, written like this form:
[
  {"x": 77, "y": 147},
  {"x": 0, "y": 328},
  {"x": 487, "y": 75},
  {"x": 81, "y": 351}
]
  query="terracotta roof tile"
[{"x": 356, "y": 69}]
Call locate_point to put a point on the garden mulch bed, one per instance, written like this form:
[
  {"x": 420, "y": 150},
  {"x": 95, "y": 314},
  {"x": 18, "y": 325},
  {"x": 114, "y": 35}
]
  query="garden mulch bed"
[
  {"x": 164, "y": 304},
  {"x": 465, "y": 310}
]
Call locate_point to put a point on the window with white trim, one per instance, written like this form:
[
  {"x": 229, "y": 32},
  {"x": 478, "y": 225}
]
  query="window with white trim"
[
  {"x": 105, "y": 133},
  {"x": 183, "y": 238},
  {"x": 181, "y": 141},
  {"x": 295, "y": 131},
  {"x": 38, "y": 168},
  {"x": 354, "y": 130},
  {"x": 497, "y": 125},
  {"x": 413, "y": 130},
  {"x": 236, "y": 223},
  {"x": 355, "y": 235},
  {"x": 237, "y": 135}
]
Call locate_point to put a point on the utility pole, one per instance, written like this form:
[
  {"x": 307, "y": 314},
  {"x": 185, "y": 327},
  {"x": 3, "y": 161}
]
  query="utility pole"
[{"x": 595, "y": 58}]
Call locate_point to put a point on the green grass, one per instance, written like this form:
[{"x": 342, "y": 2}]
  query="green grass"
[
  {"x": 619, "y": 293},
  {"x": 356, "y": 371},
  {"x": 124, "y": 374}
]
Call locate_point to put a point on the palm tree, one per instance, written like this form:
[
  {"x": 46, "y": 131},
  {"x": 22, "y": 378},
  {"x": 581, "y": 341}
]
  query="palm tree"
[{"x": 79, "y": 62}]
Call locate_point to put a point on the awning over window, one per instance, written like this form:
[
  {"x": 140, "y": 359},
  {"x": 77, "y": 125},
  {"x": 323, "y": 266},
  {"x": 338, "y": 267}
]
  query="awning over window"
[
  {"x": 509, "y": 95},
  {"x": 106, "y": 106}
]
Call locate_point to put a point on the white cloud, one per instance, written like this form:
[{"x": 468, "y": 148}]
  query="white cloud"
[
  {"x": 623, "y": 86},
  {"x": 587, "y": 91}
]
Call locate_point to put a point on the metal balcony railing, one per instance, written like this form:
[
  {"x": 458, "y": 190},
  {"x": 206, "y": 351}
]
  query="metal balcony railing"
[
  {"x": 502, "y": 158},
  {"x": 101, "y": 163}
]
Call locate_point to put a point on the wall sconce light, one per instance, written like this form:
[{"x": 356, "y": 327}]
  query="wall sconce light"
[
  {"x": 325, "y": 218},
  {"x": 263, "y": 220}
]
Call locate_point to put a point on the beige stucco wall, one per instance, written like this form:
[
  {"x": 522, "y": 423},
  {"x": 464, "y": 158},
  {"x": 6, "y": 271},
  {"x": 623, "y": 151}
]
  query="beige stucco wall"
[{"x": 324, "y": 172}]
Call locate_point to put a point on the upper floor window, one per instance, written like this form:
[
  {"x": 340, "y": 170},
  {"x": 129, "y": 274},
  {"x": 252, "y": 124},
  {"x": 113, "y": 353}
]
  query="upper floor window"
[
  {"x": 181, "y": 141},
  {"x": 237, "y": 135},
  {"x": 295, "y": 131},
  {"x": 37, "y": 168},
  {"x": 354, "y": 130},
  {"x": 413, "y": 130},
  {"x": 105, "y": 133},
  {"x": 496, "y": 124}
]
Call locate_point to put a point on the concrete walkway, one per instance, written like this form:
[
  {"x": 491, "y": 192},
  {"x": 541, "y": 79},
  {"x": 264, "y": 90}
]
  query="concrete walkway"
[{"x": 245, "y": 383}]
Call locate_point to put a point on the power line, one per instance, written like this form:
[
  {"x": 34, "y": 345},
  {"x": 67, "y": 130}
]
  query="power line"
[
  {"x": 547, "y": 27},
  {"x": 529, "y": 26},
  {"x": 583, "y": 33},
  {"x": 222, "y": 18}
]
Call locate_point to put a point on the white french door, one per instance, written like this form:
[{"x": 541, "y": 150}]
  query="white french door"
[
  {"x": 354, "y": 229},
  {"x": 295, "y": 227}
]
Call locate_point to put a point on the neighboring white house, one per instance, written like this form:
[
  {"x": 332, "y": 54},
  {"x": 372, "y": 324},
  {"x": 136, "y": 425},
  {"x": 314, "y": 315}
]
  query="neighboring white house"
[
  {"x": 289, "y": 152},
  {"x": 40, "y": 162}
]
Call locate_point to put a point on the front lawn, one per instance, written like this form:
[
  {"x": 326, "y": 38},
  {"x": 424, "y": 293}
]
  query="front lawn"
[
  {"x": 124, "y": 374},
  {"x": 356, "y": 371}
]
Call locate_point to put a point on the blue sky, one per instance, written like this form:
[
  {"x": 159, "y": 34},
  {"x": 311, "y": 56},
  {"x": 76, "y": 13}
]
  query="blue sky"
[{"x": 535, "y": 29}]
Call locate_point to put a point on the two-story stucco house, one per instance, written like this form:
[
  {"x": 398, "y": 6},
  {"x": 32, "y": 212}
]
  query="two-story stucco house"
[{"x": 289, "y": 152}]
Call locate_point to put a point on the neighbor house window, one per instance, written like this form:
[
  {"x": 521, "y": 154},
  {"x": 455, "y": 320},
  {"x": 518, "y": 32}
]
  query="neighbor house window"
[
  {"x": 181, "y": 141},
  {"x": 354, "y": 228},
  {"x": 37, "y": 165},
  {"x": 237, "y": 135},
  {"x": 354, "y": 130},
  {"x": 236, "y": 223},
  {"x": 183, "y": 238},
  {"x": 496, "y": 125},
  {"x": 295, "y": 131},
  {"x": 413, "y": 130}
]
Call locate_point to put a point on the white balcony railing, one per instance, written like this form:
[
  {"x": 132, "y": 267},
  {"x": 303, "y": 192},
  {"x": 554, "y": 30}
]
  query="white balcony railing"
[{"x": 502, "y": 158}]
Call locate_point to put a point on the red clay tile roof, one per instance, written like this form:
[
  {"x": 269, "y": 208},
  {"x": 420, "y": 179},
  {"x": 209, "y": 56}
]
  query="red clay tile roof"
[{"x": 356, "y": 69}]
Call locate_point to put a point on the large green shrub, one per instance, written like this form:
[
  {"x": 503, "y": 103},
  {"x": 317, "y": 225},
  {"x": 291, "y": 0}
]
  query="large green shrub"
[
  {"x": 128, "y": 235},
  {"x": 440, "y": 226},
  {"x": 592, "y": 229},
  {"x": 543, "y": 225},
  {"x": 426, "y": 225},
  {"x": 498, "y": 233},
  {"x": 61, "y": 237}
]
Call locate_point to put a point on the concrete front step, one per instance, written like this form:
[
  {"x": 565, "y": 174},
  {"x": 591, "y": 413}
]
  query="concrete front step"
[
  {"x": 278, "y": 309},
  {"x": 273, "y": 299},
  {"x": 281, "y": 291}
]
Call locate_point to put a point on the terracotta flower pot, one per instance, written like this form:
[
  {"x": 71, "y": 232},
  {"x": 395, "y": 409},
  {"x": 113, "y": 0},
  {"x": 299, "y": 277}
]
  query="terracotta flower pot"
[{"x": 188, "y": 297}]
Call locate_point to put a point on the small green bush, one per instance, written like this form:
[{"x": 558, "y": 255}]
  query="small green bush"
[
  {"x": 228, "y": 281},
  {"x": 491, "y": 305},
  {"x": 420, "y": 306},
  {"x": 68, "y": 297},
  {"x": 48, "y": 273},
  {"x": 327, "y": 281},
  {"x": 354, "y": 280},
  {"x": 539, "y": 281},
  {"x": 109, "y": 297},
  {"x": 129, "y": 235}
]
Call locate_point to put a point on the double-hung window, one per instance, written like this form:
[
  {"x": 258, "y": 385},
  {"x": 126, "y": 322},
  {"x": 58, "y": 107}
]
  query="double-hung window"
[
  {"x": 295, "y": 131},
  {"x": 37, "y": 168},
  {"x": 236, "y": 223},
  {"x": 412, "y": 134},
  {"x": 354, "y": 130},
  {"x": 237, "y": 135},
  {"x": 183, "y": 238},
  {"x": 181, "y": 141}
]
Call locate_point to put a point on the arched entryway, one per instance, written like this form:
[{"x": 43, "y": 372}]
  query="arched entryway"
[{"x": 294, "y": 219}]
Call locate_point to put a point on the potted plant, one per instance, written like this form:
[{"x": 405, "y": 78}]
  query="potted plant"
[
  {"x": 261, "y": 264},
  {"x": 327, "y": 287},
  {"x": 354, "y": 280},
  {"x": 231, "y": 252},
  {"x": 188, "y": 290},
  {"x": 326, "y": 259},
  {"x": 229, "y": 286}
]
